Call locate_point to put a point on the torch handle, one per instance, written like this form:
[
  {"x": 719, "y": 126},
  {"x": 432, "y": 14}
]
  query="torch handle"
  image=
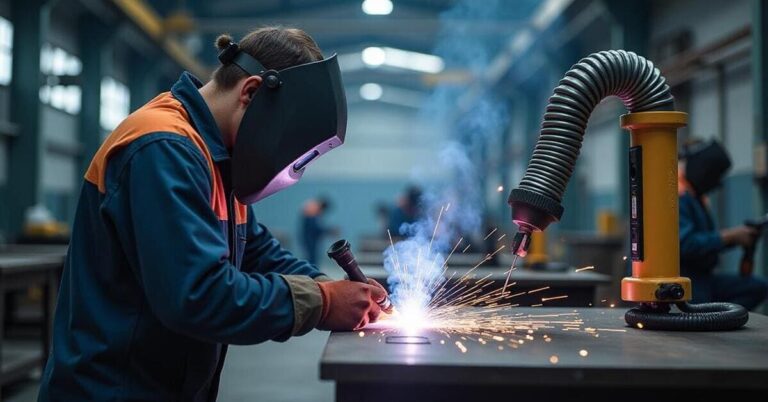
[{"x": 353, "y": 271}]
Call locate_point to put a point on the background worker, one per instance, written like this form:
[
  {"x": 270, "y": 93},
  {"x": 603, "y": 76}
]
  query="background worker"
[
  {"x": 166, "y": 264},
  {"x": 407, "y": 210},
  {"x": 702, "y": 167},
  {"x": 313, "y": 228}
]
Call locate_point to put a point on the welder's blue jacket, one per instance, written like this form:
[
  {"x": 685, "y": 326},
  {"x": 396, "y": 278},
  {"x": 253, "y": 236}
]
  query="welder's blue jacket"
[
  {"x": 165, "y": 268},
  {"x": 700, "y": 242}
]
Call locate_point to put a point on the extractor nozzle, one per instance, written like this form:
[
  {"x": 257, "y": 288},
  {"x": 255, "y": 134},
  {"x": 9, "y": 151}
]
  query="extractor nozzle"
[
  {"x": 531, "y": 212},
  {"x": 341, "y": 252}
]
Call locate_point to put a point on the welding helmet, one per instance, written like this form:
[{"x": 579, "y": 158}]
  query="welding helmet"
[
  {"x": 705, "y": 165},
  {"x": 296, "y": 115}
]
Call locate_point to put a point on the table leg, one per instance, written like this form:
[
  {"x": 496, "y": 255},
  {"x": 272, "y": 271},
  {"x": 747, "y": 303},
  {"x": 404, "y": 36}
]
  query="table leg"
[{"x": 49, "y": 306}]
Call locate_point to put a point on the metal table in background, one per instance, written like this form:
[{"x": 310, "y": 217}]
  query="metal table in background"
[
  {"x": 620, "y": 363},
  {"x": 580, "y": 287},
  {"x": 21, "y": 268},
  {"x": 605, "y": 253},
  {"x": 457, "y": 259},
  {"x": 374, "y": 244}
]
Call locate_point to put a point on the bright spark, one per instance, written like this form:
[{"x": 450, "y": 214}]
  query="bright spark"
[
  {"x": 584, "y": 268},
  {"x": 467, "y": 306},
  {"x": 538, "y": 290},
  {"x": 509, "y": 273},
  {"x": 461, "y": 347},
  {"x": 500, "y": 188},
  {"x": 544, "y": 299}
]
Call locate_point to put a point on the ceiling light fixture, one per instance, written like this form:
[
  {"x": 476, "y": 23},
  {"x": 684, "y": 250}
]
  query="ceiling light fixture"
[
  {"x": 371, "y": 91},
  {"x": 377, "y": 7}
]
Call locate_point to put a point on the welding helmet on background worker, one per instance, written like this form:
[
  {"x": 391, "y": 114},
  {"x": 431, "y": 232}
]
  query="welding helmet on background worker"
[
  {"x": 296, "y": 115},
  {"x": 705, "y": 165}
]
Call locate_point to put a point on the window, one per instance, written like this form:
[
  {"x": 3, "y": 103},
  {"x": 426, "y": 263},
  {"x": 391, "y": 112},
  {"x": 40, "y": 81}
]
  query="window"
[
  {"x": 56, "y": 62},
  {"x": 115, "y": 103},
  {"x": 6, "y": 51}
]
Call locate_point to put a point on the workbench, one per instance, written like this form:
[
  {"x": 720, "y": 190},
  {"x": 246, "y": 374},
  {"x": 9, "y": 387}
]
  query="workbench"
[
  {"x": 579, "y": 286},
  {"x": 601, "y": 360},
  {"x": 604, "y": 252},
  {"x": 457, "y": 259},
  {"x": 21, "y": 268}
]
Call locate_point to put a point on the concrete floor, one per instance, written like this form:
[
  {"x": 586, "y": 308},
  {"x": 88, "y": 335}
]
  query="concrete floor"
[
  {"x": 272, "y": 371},
  {"x": 276, "y": 372}
]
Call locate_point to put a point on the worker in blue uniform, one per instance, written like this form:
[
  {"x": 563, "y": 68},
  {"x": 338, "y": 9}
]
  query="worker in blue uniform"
[
  {"x": 406, "y": 212},
  {"x": 312, "y": 227},
  {"x": 701, "y": 169},
  {"x": 167, "y": 265}
]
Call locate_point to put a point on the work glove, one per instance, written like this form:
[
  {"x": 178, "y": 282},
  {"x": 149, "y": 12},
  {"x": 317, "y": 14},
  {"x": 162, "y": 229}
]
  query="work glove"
[
  {"x": 378, "y": 285},
  {"x": 349, "y": 305}
]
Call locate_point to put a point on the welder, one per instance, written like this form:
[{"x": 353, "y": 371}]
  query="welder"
[
  {"x": 702, "y": 166},
  {"x": 167, "y": 265}
]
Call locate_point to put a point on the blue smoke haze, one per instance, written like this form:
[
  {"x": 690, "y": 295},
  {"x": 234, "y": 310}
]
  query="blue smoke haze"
[{"x": 415, "y": 264}]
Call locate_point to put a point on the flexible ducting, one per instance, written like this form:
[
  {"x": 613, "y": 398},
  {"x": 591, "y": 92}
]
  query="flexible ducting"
[
  {"x": 632, "y": 78},
  {"x": 693, "y": 317}
]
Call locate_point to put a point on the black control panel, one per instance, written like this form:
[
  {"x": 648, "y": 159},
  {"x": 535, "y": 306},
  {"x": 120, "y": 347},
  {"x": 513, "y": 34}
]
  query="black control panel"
[{"x": 636, "y": 203}]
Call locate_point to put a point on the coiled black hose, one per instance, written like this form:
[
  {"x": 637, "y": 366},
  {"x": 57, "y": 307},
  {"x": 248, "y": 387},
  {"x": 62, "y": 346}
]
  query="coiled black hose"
[{"x": 693, "y": 317}]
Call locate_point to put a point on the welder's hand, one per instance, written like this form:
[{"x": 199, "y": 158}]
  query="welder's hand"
[
  {"x": 380, "y": 286},
  {"x": 349, "y": 305},
  {"x": 743, "y": 235}
]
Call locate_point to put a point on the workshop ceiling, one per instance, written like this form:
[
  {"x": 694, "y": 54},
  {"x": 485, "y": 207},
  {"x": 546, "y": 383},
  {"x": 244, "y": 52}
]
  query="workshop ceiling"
[{"x": 342, "y": 27}]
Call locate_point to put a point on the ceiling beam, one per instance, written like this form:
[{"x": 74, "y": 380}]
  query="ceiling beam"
[
  {"x": 362, "y": 26},
  {"x": 149, "y": 22},
  {"x": 222, "y": 8}
]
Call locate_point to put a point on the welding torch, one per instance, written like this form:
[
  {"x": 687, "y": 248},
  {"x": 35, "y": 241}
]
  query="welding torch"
[{"x": 341, "y": 252}]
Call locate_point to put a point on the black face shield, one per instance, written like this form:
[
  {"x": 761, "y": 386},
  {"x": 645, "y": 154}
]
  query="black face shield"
[
  {"x": 705, "y": 165},
  {"x": 296, "y": 115}
]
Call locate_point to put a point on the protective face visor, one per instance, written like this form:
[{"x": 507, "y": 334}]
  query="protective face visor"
[
  {"x": 296, "y": 115},
  {"x": 705, "y": 165}
]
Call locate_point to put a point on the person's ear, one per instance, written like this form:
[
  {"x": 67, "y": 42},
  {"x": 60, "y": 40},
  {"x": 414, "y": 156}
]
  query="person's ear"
[{"x": 248, "y": 89}]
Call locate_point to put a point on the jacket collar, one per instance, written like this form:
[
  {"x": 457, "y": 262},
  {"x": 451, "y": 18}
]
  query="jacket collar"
[{"x": 186, "y": 90}]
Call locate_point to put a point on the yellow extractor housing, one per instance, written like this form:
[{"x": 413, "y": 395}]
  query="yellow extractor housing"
[{"x": 654, "y": 231}]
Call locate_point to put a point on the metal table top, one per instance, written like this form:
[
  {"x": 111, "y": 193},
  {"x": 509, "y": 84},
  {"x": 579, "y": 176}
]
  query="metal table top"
[
  {"x": 10, "y": 264},
  {"x": 601, "y": 351}
]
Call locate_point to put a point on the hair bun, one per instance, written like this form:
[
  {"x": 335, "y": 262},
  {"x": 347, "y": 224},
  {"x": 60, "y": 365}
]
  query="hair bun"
[{"x": 223, "y": 41}]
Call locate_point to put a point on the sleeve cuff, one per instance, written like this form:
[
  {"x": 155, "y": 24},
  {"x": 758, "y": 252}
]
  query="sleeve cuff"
[
  {"x": 717, "y": 241},
  {"x": 307, "y": 302},
  {"x": 322, "y": 278}
]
